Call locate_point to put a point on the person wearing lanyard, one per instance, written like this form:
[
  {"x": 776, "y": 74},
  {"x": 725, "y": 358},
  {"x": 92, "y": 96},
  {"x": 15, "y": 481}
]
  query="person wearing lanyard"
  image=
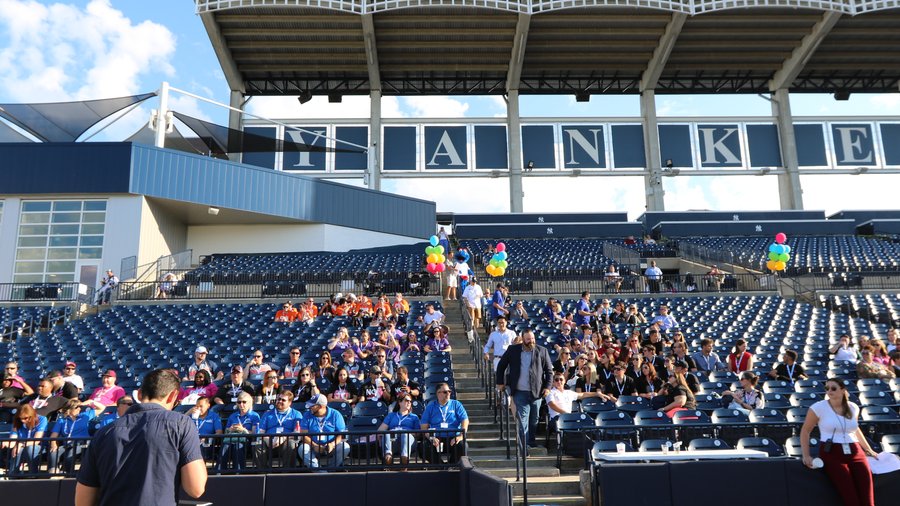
[
  {"x": 207, "y": 424},
  {"x": 499, "y": 341},
  {"x": 589, "y": 383},
  {"x": 620, "y": 384},
  {"x": 202, "y": 387},
  {"x": 343, "y": 390},
  {"x": 843, "y": 448},
  {"x": 560, "y": 400},
  {"x": 450, "y": 419},
  {"x": 268, "y": 390},
  {"x": 292, "y": 368},
  {"x": 31, "y": 426},
  {"x": 321, "y": 446},
  {"x": 740, "y": 359},
  {"x": 402, "y": 419},
  {"x": 72, "y": 425},
  {"x": 789, "y": 369},
  {"x": 228, "y": 392},
  {"x": 241, "y": 422},
  {"x": 324, "y": 369},
  {"x": 282, "y": 420},
  {"x": 706, "y": 360},
  {"x": 747, "y": 398},
  {"x": 648, "y": 384},
  {"x": 305, "y": 386}
]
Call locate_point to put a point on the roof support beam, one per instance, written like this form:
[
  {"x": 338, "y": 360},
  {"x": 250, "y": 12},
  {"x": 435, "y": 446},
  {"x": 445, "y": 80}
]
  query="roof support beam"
[
  {"x": 792, "y": 67},
  {"x": 220, "y": 46},
  {"x": 657, "y": 63},
  {"x": 368, "y": 26},
  {"x": 517, "y": 55}
]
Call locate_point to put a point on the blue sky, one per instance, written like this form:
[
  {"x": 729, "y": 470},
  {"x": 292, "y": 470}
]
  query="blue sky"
[{"x": 81, "y": 49}]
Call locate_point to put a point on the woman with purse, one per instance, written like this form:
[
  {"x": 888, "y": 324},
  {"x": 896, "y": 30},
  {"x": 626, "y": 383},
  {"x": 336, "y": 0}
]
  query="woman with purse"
[{"x": 843, "y": 448}]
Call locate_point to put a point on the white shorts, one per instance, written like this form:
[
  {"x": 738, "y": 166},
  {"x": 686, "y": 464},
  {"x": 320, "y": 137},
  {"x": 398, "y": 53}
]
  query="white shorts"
[{"x": 451, "y": 282}]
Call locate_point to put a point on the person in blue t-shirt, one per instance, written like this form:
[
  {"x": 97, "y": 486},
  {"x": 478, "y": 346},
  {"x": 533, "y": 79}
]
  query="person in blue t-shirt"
[
  {"x": 27, "y": 424},
  {"x": 242, "y": 422},
  {"x": 207, "y": 424},
  {"x": 72, "y": 424},
  {"x": 403, "y": 419},
  {"x": 445, "y": 413},
  {"x": 282, "y": 420},
  {"x": 321, "y": 447},
  {"x": 583, "y": 310},
  {"x": 122, "y": 406},
  {"x": 498, "y": 302}
]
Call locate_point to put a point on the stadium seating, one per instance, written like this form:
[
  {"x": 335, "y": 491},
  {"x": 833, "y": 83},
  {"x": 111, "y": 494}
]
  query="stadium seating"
[{"x": 810, "y": 254}]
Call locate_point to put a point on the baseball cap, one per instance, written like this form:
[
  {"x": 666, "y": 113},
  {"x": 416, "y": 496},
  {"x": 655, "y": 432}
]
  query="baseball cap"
[
  {"x": 316, "y": 400},
  {"x": 70, "y": 364},
  {"x": 110, "y": 372},
  {"x": 201, "y": 349},
  {"x": 237, "y": 368}
]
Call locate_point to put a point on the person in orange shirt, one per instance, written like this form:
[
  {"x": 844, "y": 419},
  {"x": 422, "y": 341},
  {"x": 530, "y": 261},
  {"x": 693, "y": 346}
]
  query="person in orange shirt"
[
  {"x": 401, "y": 309},
  {"x": 352, "y": 310},
  {"x": 366, "y": 310},
  {"x": 385, "y": 307},
  {"x": 311, "y": 309},
  {"x": 286, "y": 314}
]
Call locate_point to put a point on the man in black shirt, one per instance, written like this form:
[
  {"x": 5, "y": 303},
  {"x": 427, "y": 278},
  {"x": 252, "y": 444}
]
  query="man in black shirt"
[
  {"x": 136, "y": 460},
  {"x": 61, "y": 387},
  {"x": 228, "y": 392},
  {"x": 43, "y": 401},
  {"x": 789, "y": 369},
  {"x": 404, "y": 385}
]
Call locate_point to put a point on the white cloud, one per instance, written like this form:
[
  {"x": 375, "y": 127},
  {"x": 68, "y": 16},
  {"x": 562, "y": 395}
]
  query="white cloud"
[
  {"x": 434, "y": 107},
  {"x": 62, "y": 52},
  {"x": 887, "y": 103},
  {"x": 456, "y": 195},
  {"x": 833, "y": 193}
]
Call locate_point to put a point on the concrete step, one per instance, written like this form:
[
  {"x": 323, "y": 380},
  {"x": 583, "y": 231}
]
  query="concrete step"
[
  {"x": 500, "y": 449},
  {"x": 491, "y": 462},
  {"x": 564, "y": 485},
  {"x": 554, "y": 500},
  {"x": 533, "y": 472}
]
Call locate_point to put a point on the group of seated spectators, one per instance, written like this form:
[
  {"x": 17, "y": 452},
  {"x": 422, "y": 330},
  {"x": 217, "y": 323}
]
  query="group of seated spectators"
[{"x": 349, "y": 371}]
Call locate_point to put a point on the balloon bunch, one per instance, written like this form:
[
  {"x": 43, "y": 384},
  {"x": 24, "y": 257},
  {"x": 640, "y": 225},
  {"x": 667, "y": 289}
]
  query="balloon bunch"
[
  {"x": 779, "y": 253},
  {"x": 436, "y": 256},
  {"x": 497, "y": 266}
]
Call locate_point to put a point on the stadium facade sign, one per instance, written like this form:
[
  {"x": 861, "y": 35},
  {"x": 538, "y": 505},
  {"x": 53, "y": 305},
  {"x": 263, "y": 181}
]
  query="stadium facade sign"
[{"x": 565, "y": 145}]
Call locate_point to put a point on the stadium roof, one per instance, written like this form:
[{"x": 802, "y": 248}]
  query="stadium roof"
[{"x": 458, "y": 47}]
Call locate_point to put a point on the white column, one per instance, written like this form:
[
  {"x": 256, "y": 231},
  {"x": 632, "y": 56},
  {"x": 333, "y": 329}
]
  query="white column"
[
  {"x": 790, "y": 192},
  {"x": 516, "y": 195},
  {"x": 653, "y": 189},
  {"x": 374, "y": 170},
  {"x": 235, "y": 118},
  {"x": 162, "y": 111}
]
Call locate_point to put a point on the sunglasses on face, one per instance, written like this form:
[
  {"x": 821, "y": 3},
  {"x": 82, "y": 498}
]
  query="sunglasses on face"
[
  {"x": 295, "y": 353},
  {"x": 282, "y": 399},
  {"x": 241, "y": 402},
  {"x": 406, "y": 400},
  {"x": 304, "y": 375},
  {"x": 443, "y": 391},
  {"x": 257, "y": 356},
  {"x": 272, "y": 377},
  {"x": 125, "y": 403},
  {"x": 831, "y": 389},
  {"x": 556, "y": 380}
]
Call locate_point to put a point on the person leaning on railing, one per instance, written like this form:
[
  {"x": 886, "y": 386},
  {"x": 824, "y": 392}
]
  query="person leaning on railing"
[{"x": 320, "y": 445}]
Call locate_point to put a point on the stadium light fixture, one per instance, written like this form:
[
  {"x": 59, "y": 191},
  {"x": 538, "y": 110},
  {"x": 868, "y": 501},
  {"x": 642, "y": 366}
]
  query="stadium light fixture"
[
  {"x": 671, "y": 172},
  {"x": 530, "y": 166},
  {"x": 582, "y": 96},
  {"x": 842, "y": 95},
  {"x": 304, "y": 97},
  {"x": 860, "y": 170},
  {"x": 763, "y": 171},
  {"x": 214, "y": 211},
  {"x": 669, "y": 163},
  {"x": 334, "y": 98}
]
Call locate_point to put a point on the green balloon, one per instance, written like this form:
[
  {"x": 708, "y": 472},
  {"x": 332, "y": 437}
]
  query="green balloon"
[
  {"x": 784, "y": 257},
  {"x": 773, "y": 256},
  {"x": 495, "y": 263},
  {"x": 504, "y": 264}
]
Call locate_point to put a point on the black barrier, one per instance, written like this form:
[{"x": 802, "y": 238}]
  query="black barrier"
[
  {"x": 467, "y": 487},
  {"x": 769, "y": 482}
]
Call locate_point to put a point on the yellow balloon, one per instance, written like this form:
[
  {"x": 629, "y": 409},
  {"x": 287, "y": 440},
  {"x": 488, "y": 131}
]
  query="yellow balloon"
[
  {"x": 490, "y": 269},
  {"x": 779, "y": 266},
  {"x": 499, "y": 271},
  {"x": 441, "y": 259},
  {"x": 432, "y": 258},
  {"x": 771, "y": 265}
]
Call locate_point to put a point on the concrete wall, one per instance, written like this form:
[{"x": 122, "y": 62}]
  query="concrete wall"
[
  {"x": 9, "y": 224},
  {"x": 161, "y": 233},
  {"x": 208, "y": 239},
  {"x": 123, "y": 231}
]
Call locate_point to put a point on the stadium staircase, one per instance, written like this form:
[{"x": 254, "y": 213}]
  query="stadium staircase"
[{"x": 546, "y": 483}]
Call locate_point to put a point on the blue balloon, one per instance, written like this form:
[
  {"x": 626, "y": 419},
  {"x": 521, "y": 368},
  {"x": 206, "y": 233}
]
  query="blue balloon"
[
  {"x": 787, "y": 249},
  {"x": 502, "y": 255},
  {"x": 773, "y": 248},
  {"x": 434, "y": 240},
  {"x": 496, "y": 257}
]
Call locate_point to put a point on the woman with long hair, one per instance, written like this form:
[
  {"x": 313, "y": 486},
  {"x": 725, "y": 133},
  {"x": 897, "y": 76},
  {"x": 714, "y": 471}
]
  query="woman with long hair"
[
  {"x": 202, "y": 387},
  {"x": 324, "y": 368},
  {"x": 879, "y": 352},
  {"x": 740, "y": 359},
  {"x": 305, "y": 386},
  {"x": 843, "y": 447},
  {"x": 589, "y": 382},
  {"x": 30, "y": 426},
  {"x": 343, "y": 390},
  {"x": 869, "y": 368},
  {"x": 648, "y": 384},
  {"x": 72, "y": 425},
  {"x": 268, "y": 390}
]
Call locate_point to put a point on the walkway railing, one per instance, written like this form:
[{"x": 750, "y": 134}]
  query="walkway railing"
[{"x": 45, "y": 292}]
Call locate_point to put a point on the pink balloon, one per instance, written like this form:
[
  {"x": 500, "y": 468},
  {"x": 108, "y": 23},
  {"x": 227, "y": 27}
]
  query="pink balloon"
[
  {"x": 431, "y": 268},
  {"x": 440, "y": 267},
  {"x": 780, "y": 238},
  {"x": 500, "y": 247}
]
